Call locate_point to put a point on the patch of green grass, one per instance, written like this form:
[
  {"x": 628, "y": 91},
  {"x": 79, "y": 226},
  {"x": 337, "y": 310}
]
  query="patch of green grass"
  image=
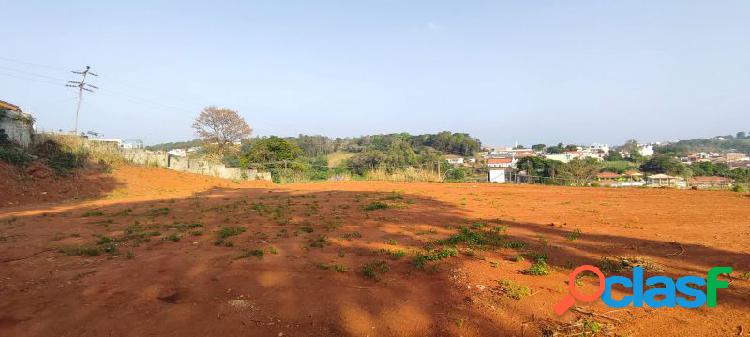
[
  {"x": 307, "y": 229},
  {"x": 539, "y": 268},
  {"x": 374, "y": 270},
  {"x": 519, "y": 258},
  {"x": 226, "y": 232},
  {"x": 391, "y": 242},
  {"x": 575, "y": 235},
  {"x": 185, "y": 226},
  {"x": 421, "y": 260},
  {"x": 475, "y": 238},
  {"x": 273, "y": 250},
  {"x": 514, "y": 290},
  {"x": 591, "y": 327},
  {"x": 196, "y": 232},
  {"x": 478, "y": 225},
  {"x": 376, "y": 205},
  {"x": 92, "y": 213},
  {"x": 130, "y": 255}
]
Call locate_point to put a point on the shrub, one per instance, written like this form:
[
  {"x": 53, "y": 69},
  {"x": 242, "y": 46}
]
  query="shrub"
[
  {"x": 14, "y": 156},
  {"x": 433, "y": 255},
  {"x": 226, "y": 232},
  {"x": 374, "y": 270},
  {"x": 539, "y": 268},
  {"x": 375, "y": 205},
  {"x": 514, "y": 290}
]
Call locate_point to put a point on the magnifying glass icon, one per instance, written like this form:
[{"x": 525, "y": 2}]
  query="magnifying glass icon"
[{"x": 573, "y": 294}]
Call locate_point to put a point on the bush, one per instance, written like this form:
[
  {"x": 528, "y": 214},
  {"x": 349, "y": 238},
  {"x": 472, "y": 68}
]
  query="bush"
[{"x": 14, "y": 156}]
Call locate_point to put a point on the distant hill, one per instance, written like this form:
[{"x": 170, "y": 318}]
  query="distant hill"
[
  {"x": 719, "y": 145},
  {"x": 175, "y": 145}
]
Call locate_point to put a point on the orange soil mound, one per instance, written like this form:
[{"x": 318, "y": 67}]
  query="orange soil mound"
[
  {"x": 37, "y": 183},
  {"x": 298, "y": 267}
]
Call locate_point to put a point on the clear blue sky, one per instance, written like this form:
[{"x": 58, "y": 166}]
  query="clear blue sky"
[{"x": 531, "y": 71}]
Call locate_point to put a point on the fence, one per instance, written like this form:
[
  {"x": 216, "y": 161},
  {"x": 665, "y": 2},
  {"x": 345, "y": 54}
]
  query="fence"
[{"x": 186, "y": 164}]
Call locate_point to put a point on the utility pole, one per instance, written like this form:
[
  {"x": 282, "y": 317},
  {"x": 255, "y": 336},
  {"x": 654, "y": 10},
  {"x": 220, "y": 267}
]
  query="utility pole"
[{"x": 82, "y": 86}]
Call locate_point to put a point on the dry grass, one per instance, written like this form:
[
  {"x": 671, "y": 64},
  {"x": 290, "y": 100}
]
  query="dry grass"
[
  {"x": 404, "y": 175},
  {"x": 97, "y": 152}
]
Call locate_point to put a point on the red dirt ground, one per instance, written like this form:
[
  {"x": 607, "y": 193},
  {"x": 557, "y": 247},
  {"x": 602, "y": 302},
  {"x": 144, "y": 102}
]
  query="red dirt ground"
[{"x": 154, "y": 285}]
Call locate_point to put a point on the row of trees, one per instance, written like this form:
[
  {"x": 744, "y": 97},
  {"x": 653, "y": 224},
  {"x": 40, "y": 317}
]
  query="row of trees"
[
  {"x": 583, "y": 171},
  {"x": 221, "y": 129}
]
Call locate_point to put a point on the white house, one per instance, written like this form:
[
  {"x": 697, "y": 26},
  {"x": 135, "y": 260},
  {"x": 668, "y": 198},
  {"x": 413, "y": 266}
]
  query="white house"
[
  {"x": 496, "y": 175},
  {"x": 562, "y": 157},
  {"x": 178, "y": 152},
  {"x": 454, "y": 159},
  {"x": 646, "y": 150}
]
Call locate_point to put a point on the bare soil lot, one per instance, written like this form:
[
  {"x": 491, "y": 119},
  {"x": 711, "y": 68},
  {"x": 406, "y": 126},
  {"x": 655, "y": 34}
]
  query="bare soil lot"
[{"x": 163, "y": 253}]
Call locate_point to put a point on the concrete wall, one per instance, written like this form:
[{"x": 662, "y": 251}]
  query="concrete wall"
[
  {"x": 185, "y": 164},
  {"x": 16, "y": 126}
]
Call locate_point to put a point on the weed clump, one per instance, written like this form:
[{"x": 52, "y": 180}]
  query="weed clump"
[
  {"x": 320, "y": 242},
  {"x": 514, "y": 290},
  {"x": 376, "y": 205},
  {"x": 575, "y": 235},
  {"x": 539, "y": 268},
  {"x": 226, "y": 232},
  {"x": 374, "y": 270},
  {"x": 421, "y": 260}
]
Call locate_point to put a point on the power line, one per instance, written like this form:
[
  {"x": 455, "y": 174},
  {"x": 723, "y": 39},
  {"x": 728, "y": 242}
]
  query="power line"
[{"x": 82, "y": 86}]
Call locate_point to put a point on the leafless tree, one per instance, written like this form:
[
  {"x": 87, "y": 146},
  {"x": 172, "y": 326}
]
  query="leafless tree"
[{"x": 221, "y": 126}]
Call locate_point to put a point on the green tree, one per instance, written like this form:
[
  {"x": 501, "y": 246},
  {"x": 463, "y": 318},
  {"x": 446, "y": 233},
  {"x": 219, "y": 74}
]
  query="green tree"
[
  {"x": 270, "y": 152},
  {"x": 580, "y": 172},
  {"x": 613, "y": 156},
  {"x": 538, "y": 147},
  {"x": 661, "y": 163}
]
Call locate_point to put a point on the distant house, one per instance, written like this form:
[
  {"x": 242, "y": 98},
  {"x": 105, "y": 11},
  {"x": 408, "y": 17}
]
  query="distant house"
[
  {"x": 646, "y": 150},
  {"x": 17, "y": 125},
  {"x": 732, "y": 157},
  {"x": 454, "y": 159},
  {"x": 659, "y": 180},
  {"x": 607, "y": 177},
  {"x": 633, "y": 175},
  {"x": 503, "y": 162},
  {"x": 711, "y": 182},
  {"x": 562, "y": 157},
  {"x": 177, "y": 152},
  {"x": 114, "y": 142},
  {"x": 496, "y": 175}
]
